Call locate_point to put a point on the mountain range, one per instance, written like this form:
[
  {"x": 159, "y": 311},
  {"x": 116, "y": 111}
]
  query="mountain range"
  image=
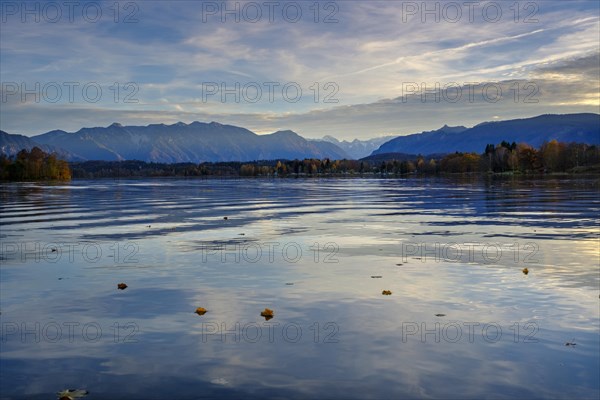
[
  {"x": 12, "y": 144},
  {"x": 583, "y": 128},
  {"x": 199, "y": 142},
  {"x": 358, "y": 149},
  {"x": 180, "y": 142}
]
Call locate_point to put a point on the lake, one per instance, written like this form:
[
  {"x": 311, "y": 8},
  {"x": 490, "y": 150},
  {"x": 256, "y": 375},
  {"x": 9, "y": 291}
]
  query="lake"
[{"x": 463, "y": 319}]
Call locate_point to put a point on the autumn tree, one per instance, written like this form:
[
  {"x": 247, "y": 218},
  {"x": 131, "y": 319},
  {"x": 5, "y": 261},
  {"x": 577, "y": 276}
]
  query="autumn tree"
[{"x": 34, "y": 165}]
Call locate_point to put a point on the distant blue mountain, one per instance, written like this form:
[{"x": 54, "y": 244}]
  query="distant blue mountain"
[
  {"x": 10, "y": 145},
  {"x": 180, "y": 142},
  {"x": 358, "y": 149},
  {"x": 198, "y": 142},
  {"x": 582, "y": 128}
]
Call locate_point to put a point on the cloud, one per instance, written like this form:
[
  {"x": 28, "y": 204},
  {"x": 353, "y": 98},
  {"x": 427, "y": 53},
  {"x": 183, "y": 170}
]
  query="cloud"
[{"x": 363, "y": 60}]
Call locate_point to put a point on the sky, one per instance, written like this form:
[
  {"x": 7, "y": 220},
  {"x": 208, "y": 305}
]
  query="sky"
[{"x": 350, "y": 69}]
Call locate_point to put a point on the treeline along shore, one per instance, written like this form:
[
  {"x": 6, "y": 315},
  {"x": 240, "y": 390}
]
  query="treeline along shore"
[{"x": 504, "y": 158}]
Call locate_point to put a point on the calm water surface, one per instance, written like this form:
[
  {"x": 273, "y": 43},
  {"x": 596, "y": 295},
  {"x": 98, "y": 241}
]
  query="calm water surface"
[{"x": 319, "y": 253}]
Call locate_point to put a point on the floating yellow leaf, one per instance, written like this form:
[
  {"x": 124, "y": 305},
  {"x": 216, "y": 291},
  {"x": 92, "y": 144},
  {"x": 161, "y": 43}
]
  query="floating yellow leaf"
[
  {"x": 267, "y": 313},
  {"x": 200, "y": 311}
]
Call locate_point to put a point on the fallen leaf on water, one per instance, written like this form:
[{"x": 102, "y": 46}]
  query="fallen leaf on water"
[
  {"x": 200, "y": 311},
  {"x": 386, "y": 292},
  {"x": 122, "y": 286},
  {"x": 525, "y": 271},
  {"x": 267, "y": 313},
  {"x": 71, "y": 394}
]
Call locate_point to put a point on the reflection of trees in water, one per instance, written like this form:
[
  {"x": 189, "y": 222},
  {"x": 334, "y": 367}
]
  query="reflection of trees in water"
[
  {"x": 35, "y": 195},
  {"x": 560, "y": 202}
]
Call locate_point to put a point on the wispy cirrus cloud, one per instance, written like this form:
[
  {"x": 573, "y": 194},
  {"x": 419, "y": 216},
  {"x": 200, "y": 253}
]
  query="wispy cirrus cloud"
[{"x": 366, "y": 58}]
